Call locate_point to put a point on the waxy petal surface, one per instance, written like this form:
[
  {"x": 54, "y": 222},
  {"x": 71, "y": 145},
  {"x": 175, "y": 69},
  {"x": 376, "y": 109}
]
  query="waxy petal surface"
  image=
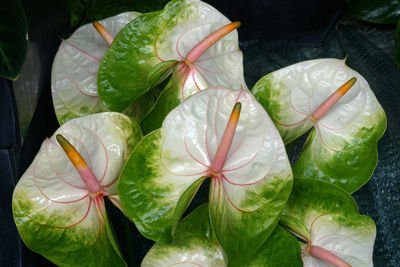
[
  {"x": 165, "y": 35},
  {"x": 54, "y": 211},
  {"x": 74, "y": 72},
  {"x": 254, "y": 182},
  {"x": 333, "y": 221},
  {"x": 341, "y": 148}
]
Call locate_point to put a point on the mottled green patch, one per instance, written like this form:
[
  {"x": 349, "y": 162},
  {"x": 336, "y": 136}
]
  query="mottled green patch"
[
  {"x": 78, "y": 245},
  {"x": 318, "y": 196},
  {"x": 84, "y": 110},
  {"x": 349, "y": 166},
  {"x": 123, "y": 71},
  {"x": 243, "y": 229},
  {"x": 154, "y": 204},
  {"x": 268, "y": 91}
]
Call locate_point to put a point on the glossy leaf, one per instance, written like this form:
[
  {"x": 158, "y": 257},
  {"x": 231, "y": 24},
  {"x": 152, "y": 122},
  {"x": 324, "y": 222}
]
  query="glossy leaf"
[
  {"x": 74, "y": 73},
  {"x": 375, "y": 11},
  {"x": 194, "y": 244},
  {"x": 342, "y": 146},
  {"x": 333, "y": 221},
  {"x": 14, "y": 41},
  {"x": 281, "y": 249},
  {"x": 55, "y": 212},
  {"x": 247, "y": 194},
  {"x": 149, "y": 41}
]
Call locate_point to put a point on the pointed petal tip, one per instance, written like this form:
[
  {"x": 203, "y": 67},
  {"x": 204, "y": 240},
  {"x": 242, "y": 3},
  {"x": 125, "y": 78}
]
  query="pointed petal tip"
[{"x": 236, "y": 24}]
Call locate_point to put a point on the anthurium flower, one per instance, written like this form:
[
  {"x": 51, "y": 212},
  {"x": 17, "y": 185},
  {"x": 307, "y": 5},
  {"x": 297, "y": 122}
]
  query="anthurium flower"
[
  {"x": 74, "y": 72},
  {"x": 220, "y": 134},
  {"x": 194, "y": 244},
  {"x": 58, "y": 203},
  {"x": 339, "y": 105},
  {"x": 326, "y": 219},
  {"x": 188, "y": 38}
]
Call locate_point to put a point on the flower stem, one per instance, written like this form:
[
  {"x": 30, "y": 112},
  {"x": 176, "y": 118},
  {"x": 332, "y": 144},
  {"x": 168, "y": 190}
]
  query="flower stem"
[
  {"x": 226, "y": 141},
  {"x": 103, "y": 32},
  {"x": 211, "y": 39},
  {"x": 332, "y": 99},
  {"x": 80, "y": 165},
  {"x": 327, "y": 256}
]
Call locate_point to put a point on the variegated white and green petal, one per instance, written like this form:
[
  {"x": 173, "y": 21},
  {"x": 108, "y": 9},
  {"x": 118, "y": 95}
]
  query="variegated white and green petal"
[
  {"x": 183, "y": 83},
  {"x": 166, "y": 35},
  {"x": 345, "y": 156},
  {"x": 53, "y": 209},
  {"x": 342, "y": 147},
  {"x": 350, "y": 237},
  {"x": 254, "y": 183},
  {"x": 281, "y": 249},
  {"x": 291, "y": 94},
  {"x": 74, "y": 73},
  {"x": 331, "y": 216},
  {"x": 152, "y": 194},
  {"x": 193, "y": 245}
]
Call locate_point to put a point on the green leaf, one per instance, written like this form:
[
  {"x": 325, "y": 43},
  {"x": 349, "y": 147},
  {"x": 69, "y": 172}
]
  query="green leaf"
[
  {"x": 246, "y": 196},
  {"x": 55, "y": 213},
  {"x": 331, "y": 217},
  {"x": 397, "y": 45},
  {"x": 194, "y": 244},
  {"x": 376, "y": 11},
  {"x": 13, "y": 44},
  {"x": 168, "y": 35},
  {"x": 281, "y": 249},
  {"x": 342, "y": 147},
  {"x": 84, "y": 11}
]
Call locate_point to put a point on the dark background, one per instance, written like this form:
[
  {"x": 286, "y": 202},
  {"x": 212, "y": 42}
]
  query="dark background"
[{"x": 273, "y": 34}]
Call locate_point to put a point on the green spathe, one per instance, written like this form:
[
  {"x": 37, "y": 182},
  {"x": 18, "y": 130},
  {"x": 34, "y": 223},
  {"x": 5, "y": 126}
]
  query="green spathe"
[
  {"x": 342, "y": 146},
  {"x": 194, "y": 244},
  {"x": 74, "y": 73},
  {"x": 143, "y": 53},
  {"x": 281, "y": 249},
  {"x": 333, "y": 222},
  {"x": 168, "y": 165},
  {"x": 55, "y": 212}
]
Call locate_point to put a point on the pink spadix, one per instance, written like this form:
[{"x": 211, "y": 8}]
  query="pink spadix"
[
  {"x": 226, "y": 141},
  {"x": 80, "y": 165},
  {"x": 332, "y": 99},
  {"x": 326, "y": 256},
  {"x": 107, "y": 36},
  {"x": 211, "y": 39}
]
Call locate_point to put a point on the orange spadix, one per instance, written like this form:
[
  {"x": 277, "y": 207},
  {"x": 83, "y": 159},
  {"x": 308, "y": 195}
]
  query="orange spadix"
[
  {"x": 107, "y": 36},
  {"x": 211, "y": 39},
  {"x": 226, "y": 141},
  {"x": 332, "y": 99},
  {"x": 327, "y": 256},
  {"x": 80, "y": 165}
]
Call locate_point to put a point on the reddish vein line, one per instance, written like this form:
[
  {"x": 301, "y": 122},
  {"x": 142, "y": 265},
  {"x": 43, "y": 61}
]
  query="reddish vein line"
[
  {"x": 78, "y": 222},
  {"x": 83, "y": 51}
]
